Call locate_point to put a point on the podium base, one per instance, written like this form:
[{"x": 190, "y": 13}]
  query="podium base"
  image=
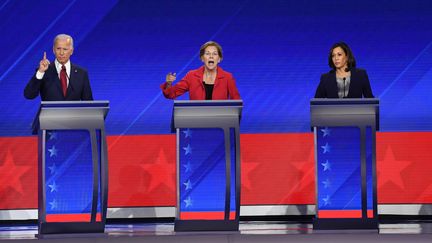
[
  {"x": 72, "y": 235},
  {"x": 73, "y": 228},
  {"x": 345, "y": 224},
  {"x": 206, "y": 225}
]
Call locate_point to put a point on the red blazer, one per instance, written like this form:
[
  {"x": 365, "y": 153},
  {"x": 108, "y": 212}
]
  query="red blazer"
[{"x": 224, "y": 87}]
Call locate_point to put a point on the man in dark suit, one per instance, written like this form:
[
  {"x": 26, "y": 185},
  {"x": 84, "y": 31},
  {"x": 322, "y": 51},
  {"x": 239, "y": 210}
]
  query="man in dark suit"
[{"x": 60, "y": 80}]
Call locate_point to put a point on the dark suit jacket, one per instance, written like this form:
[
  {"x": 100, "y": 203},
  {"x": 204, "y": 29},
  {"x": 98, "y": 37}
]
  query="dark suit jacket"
[
  {"x": 359, "y": 85},
  {"x": 49, "y": 86}
]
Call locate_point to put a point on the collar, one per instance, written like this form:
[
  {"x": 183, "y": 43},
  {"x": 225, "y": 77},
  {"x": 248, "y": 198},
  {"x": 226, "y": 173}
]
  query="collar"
[
  {"x": 58, "y": 66},
  {"x": 219, "y": 75}
]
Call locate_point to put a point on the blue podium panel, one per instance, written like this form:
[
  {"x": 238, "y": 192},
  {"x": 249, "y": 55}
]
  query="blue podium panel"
[
  {"x": 208, "y": 164},
  {"x": 204, "y": 190},
  {"x": 339, "y": 172},
  {"x": 69, "y": 176}
]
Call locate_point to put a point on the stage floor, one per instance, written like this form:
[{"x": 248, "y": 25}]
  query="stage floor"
[{"x": 250, "y": 231}]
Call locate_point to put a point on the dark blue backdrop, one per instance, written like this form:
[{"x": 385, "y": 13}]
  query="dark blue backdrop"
[{"x": 275, "y": 49}]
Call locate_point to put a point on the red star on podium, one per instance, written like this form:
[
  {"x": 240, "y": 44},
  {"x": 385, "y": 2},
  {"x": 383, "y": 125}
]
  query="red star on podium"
[
  {"x": 426, "y": 195},
  {"x": 10, "y": 174},
  {"x": 162, "y": 173},
  {"x": 390, "y": 169},
  {"x": 304, "y": 188},
  {"x": 246, "y": 169}
]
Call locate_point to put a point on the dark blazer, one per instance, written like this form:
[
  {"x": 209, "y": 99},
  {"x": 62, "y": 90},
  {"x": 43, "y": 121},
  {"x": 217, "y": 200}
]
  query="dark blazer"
[
  {"x": 359, "y": 85},
  {"x": 224, "y": 86},
  {"x": 49, "y": 86}
]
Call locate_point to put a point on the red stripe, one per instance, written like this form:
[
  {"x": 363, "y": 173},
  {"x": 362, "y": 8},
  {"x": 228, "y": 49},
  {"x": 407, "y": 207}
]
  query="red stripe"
[
  {"x": 232, "y": 215},
  {"x": 83, "y": 217},
  {"x": 205, "y": 215},
  {"x": 339, "y": 214},
  {"x": 370, "y": 214},
  {"x": 343, "y": 213}
]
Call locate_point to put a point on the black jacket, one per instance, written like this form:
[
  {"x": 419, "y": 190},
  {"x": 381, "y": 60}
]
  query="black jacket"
[{"x": 359, "y": 85}]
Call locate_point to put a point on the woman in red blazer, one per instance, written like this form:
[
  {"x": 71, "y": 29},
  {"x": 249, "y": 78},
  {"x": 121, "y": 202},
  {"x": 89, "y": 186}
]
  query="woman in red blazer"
[{"x": 209, "y": 82}]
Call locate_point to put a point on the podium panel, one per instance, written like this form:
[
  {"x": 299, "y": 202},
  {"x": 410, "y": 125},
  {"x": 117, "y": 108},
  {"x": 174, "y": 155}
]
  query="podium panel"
[
  {"x": 208, "y": 165},
  {"x": 72, "y": 170},
  {"x": 344, "y": 132}
]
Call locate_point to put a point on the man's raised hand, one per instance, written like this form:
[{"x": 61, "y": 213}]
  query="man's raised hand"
[{"x": 43, "y": 64}]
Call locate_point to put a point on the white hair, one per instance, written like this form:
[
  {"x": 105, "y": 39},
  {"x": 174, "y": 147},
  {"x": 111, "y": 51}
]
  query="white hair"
[{"x": 63, "y": 37}]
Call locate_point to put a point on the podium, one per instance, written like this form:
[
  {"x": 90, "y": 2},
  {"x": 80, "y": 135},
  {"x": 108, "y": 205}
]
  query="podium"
[
  {"x": 345, "y": 157},
  {"x": 72, "y": 167},
  {"x": 208, "y": 164}
]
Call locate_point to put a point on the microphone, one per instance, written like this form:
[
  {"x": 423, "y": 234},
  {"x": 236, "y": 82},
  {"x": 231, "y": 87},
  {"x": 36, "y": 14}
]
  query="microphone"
[{"x": 344, "y": 79}]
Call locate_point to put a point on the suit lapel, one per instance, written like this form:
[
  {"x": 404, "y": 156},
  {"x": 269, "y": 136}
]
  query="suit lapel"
[
  {"x": 352, "y": 82},
  {"x": 219, "y": 75},
  {"x": 72, "y": 77},
  {"x": 200, "y": 76},
  {"x": 334, "y": 85}
]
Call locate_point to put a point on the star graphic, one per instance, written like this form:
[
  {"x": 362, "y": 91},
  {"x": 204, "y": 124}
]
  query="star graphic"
[
  {"x": 426, "y": 195},
  {"x": 53, "y": 204},
  {"x": 390, "y": 169},
  {"x": 11, "y": 173},
  {"x": 187, "y": 133},
  {"x": 54, "y": 187},
  {"x": 326, "y": 148},
  {"x": 53, "y": 151},
  {"x": 326, "y": 183},
  {"x": 52, "y": 168},
  {"x": 188, "y": 149},
  {"x": 188, "y": 202},
  {"x": 303, "y": 185},
  {"x": 327, "y": 200},
  {"x": 188, "y": 185},
  {"x": 326, "y": 132},
  {"x": 162, "y": 172},
  {"x": 52, "y": 135},
  {"x": 188, "y": 166},
  {"x": 246, "y": 171},
  {"x": 327, "y": 165}
]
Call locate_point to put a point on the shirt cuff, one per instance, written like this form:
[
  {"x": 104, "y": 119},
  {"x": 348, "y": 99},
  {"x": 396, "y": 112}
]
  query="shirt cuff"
[{"x": 40, "y": 75}]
